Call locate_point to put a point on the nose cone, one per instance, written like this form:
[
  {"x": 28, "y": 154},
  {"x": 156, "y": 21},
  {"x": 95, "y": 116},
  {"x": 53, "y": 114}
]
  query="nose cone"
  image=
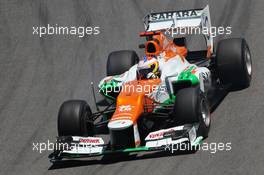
[{"x": 119, "y": 124}]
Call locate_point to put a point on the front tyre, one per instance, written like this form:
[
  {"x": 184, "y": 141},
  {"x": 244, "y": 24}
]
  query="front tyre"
[
  {"x": 191, "y": 106},
  {"x": 73, "y": 119}
]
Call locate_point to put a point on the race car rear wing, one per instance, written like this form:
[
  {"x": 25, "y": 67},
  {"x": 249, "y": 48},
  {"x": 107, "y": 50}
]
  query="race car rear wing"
[{"x": 159, "y": 21}]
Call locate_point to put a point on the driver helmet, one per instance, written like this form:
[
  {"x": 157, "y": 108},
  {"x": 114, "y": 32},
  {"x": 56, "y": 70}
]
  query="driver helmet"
[{"x": 148, "y": 68}]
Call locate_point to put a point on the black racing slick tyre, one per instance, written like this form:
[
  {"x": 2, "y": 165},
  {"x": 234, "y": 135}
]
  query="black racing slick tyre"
[
  {"x": 234, "y": 63},
  {"x": 73, "y": 119},
  {"x": 191, "y": 106},
  {"x": 119, "y": 62}
]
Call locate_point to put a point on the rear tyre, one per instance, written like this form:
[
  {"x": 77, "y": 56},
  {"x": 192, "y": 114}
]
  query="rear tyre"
[
  {"x": 73, "y": 119},
  {"x": 234, "y": 63},
  {"x": 191, "y": 106},
  {"x": 120, "y": 61}
]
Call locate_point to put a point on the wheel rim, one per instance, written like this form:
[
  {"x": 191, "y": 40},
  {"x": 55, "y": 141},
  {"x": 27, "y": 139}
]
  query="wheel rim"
[
  {"x": 248, "y": 61},
  {"x": 205, "y": 113}
]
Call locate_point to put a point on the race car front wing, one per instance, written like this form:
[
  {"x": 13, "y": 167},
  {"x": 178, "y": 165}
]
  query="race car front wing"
[{"x": 171, "y": 139}]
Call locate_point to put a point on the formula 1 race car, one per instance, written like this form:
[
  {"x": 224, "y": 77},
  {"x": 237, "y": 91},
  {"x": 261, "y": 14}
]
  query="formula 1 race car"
[{"x": 137, "y": 122}]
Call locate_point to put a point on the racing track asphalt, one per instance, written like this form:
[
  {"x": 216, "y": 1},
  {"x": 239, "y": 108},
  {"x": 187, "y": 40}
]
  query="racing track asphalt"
[{"x": 37, "y": 74}]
